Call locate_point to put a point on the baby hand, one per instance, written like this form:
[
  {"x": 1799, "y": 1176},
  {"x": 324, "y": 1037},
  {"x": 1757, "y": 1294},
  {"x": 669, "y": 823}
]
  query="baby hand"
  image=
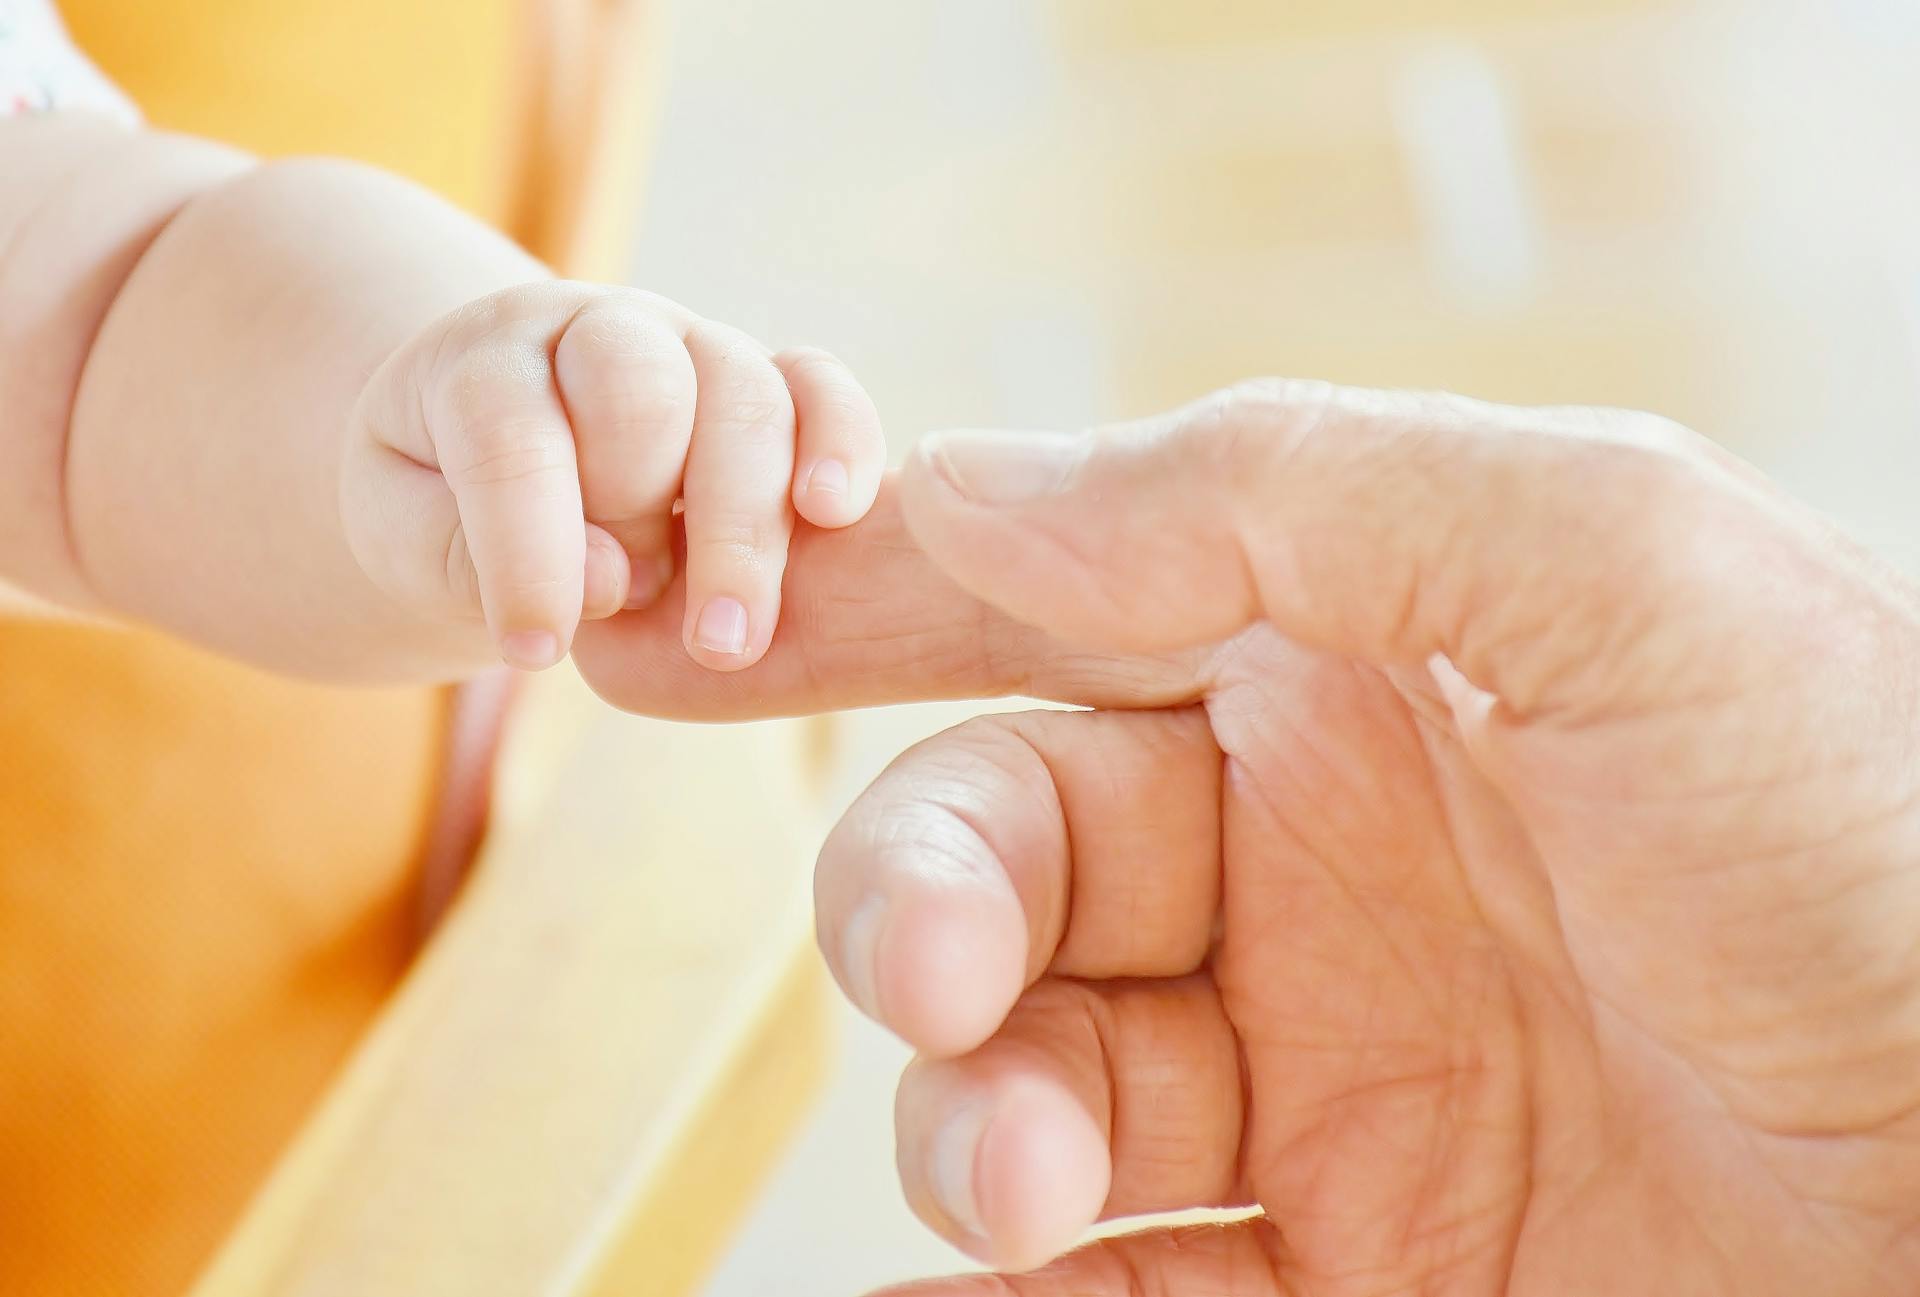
[{"x": 520, "y": 462}]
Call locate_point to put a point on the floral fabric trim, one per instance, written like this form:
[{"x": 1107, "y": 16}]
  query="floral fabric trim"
[{"x": 41, "y": 71}]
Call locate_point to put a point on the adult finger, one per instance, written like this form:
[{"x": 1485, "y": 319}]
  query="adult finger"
[
  {"x": 1085, "y": 844},
  {"x": 1389, "y": 527},
  {"x": 1094, "y": 1100},
  {"x": 866, "y": 620}
]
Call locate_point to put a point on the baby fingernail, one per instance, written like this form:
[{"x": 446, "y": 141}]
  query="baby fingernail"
[
  {"x": 860, "y": 955},
  {"x": 956, "y": 1149},
  {"x": 829, "y": 477},
  {"x": 530, "y": 650},
  {"x": 1005, "y": 467},
  {"x": 722, "y": 627},
  {"x": 651, "y": 576}
]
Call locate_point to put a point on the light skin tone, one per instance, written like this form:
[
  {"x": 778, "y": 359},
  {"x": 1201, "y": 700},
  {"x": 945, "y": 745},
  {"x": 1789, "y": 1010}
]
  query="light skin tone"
[
  {"x": 1489, "y": 850},
  {"x": 309, "y": 416}
]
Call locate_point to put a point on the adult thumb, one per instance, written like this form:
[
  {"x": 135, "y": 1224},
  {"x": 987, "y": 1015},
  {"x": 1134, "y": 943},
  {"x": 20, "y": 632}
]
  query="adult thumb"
[{"x": 1389, "y": 527}]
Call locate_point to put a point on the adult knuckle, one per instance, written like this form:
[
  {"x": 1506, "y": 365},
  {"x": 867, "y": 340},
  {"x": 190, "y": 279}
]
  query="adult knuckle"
[
  {"x": 1659, "y": 526},
  {"x": 1653, "y": 478},
  {"x": 1254, "y": 423},
  {"x": 1659, "y": 433}
]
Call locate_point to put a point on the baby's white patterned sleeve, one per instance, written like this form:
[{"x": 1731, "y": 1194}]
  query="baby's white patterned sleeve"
[{"x": 40, "y": 70}]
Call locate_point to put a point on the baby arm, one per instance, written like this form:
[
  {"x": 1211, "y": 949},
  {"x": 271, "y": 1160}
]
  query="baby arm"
[{"x": 308, "y": 415}]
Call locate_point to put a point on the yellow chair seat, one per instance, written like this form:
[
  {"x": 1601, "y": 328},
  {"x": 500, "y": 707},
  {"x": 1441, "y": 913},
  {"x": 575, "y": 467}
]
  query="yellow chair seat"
[{"x": 210, "y": 878}]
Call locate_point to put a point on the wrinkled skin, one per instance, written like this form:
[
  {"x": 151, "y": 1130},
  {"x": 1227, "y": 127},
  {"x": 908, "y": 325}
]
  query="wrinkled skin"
[{"x": 1493, "y": 853}]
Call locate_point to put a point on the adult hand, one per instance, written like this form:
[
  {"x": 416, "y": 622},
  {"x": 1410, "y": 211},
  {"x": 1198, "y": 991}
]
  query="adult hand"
[{"x": 1496, "y": 854}]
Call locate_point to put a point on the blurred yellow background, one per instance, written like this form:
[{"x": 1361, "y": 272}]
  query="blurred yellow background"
[{"x": 1050, "y": 212}]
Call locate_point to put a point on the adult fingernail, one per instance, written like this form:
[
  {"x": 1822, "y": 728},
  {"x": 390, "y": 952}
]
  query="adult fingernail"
[
  {"x": 829, "y": 477},
  {"x": 722, "y": 627},
  {"x": 651, "y": 576},
  {"x": 530, "y": 650},
  {"x": 956, "y": 1151},
  {"x": 1005, "y": 467},
  {"x": 860, "y": 955}
]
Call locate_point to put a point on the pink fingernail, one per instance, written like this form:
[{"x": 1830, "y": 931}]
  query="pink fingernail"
[
  {"x": 956, "y": 1150},
  {"x": 530, "y": 650},
  {"x": 829, "y": 477},
  {"x": 860, "y": 955},
  {"x": 722, "y": 627}
]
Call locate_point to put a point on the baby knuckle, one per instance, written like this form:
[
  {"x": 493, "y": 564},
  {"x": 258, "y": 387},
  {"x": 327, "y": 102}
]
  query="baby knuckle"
[
  {"x": 751, "y": 411},
  {"x": 504, "y": 314},
  {"x": 511, "y": 450},
  {"x": 477, "y": 319},
  {"x": 812, "y": 361},
  {"x": 739, "y": 385},
  {"x": 839, "y": 405},
  {"x": 618, "y": 335},
  {"x": 524, "y": 582},
  {"x": 627, "y": 389},
  {"x": 739, "y": 534},
  {"x": 483, "y": 380},
  {"x": 743, "y": 409},
  {"x": 633, "y": 405},
  {"x": 843, "y": 416}
]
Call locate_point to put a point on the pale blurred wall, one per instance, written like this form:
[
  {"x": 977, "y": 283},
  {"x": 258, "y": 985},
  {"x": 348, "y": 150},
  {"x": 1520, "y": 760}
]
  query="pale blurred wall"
[
  {"x": 1042, "y": 211},
  {"x": 1048, "y": 212}
]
